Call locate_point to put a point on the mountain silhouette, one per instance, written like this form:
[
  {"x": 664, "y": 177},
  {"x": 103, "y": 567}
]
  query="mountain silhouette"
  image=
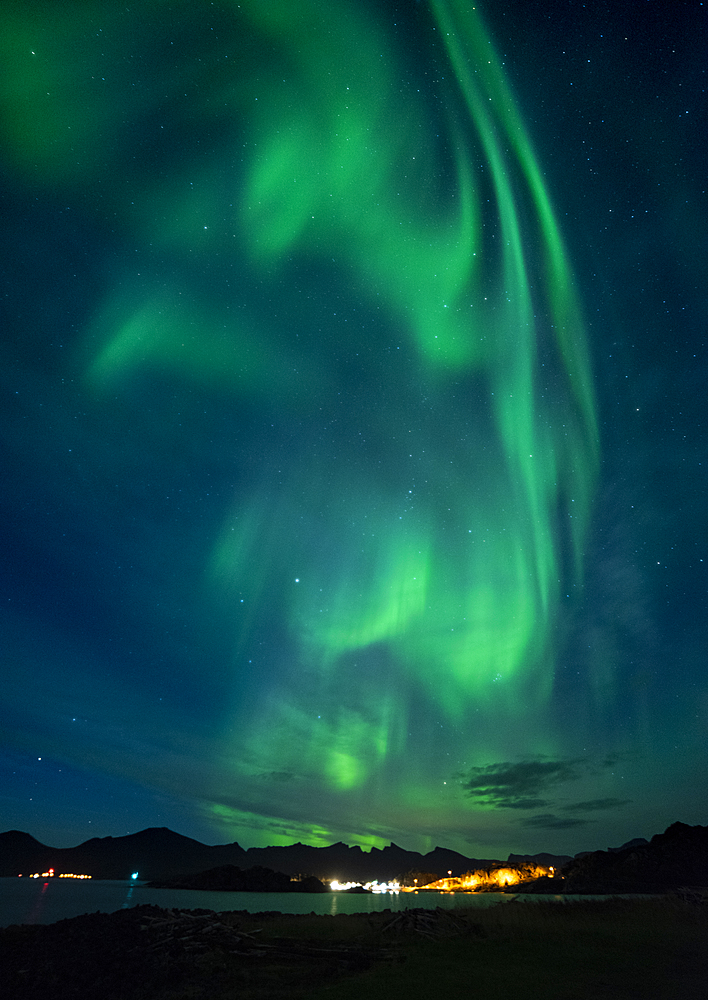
[
  {"x": 677, "y": 857},
  {"x": 159, "y": 853}
]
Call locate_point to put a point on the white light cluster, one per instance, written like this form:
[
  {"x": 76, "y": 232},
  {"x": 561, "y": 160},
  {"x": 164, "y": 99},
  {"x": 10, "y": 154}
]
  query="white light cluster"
[{"x": 374, "y": 886}]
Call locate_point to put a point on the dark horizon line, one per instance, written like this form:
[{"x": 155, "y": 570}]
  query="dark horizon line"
[{"x": 351, "y": 847}]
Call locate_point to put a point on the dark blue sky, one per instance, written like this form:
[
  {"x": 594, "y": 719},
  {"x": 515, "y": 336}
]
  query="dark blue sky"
[{"x": 354, "y": 423}]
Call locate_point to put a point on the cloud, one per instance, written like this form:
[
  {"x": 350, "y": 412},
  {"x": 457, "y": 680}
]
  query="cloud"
[
  {"x": 612, "y": 759},
  {"x": 519, "y": 785},
  {"x": 548, "y": 821},
  {"x": 528, "y": 804},
  {"x": 618, "y": 757},
  {"x": 593, "y": 805}
]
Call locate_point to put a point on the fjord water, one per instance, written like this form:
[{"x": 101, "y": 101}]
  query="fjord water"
[{"x": 43, "y": 901}]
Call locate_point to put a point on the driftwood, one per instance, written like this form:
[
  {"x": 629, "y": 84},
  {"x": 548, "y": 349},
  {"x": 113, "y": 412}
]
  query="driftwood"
[{"x": 432, "y": 924}]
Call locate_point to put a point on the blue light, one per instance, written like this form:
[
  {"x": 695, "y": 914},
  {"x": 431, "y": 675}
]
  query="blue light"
[{"x": 134, "y": 875}]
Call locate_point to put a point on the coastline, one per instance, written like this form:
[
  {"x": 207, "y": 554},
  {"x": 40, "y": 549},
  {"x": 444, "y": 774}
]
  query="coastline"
[{"x": 655, "y": 948}]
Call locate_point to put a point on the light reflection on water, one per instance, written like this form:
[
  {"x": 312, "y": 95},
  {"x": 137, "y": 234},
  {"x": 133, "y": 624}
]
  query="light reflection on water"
[
  {"x": 35, "y": 916},
  {"x": 25, "y": 901},
  {"x": 128, "y": 899}
]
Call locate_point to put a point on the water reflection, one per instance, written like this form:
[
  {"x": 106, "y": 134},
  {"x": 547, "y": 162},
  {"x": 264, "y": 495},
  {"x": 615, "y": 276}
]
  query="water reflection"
[
  {"x": 22, "y": 902},
  {"x": 35, "y": 917},
  {"x": 127, "y": 902}
]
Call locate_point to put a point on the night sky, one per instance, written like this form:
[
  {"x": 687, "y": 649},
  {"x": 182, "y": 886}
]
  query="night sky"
[{"x": 354, "y": 421}]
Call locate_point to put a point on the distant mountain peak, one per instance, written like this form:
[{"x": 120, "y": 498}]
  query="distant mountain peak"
[
  {"x": 19, "y": 837},
  {"x": 158, "y": 852}
]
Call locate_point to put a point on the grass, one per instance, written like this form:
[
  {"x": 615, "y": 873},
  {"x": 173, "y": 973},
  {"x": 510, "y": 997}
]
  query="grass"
[
  {"x": 615, "y": 949},
  {"x": 628, "y": 949}
]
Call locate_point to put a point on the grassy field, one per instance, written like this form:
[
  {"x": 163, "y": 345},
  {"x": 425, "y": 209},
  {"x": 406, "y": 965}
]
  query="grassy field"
[
  {"x": 637, "y": 949},
  {"x": 640, "y": 949},
  {"x": 653, "y": 949}
]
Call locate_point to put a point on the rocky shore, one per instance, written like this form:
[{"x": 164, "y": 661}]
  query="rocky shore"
[
  {"x": 147, "y": 951},
  {"x": 655, "y": 949}
]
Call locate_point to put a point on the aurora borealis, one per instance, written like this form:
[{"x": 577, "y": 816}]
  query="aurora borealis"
[{"x": 354, "y": 422}]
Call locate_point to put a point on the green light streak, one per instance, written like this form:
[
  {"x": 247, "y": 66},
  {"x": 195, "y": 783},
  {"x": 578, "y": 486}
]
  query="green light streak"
[
  {"x": 186, "y": 337},
  {"x": 470, "y": 618},
  {"x": 428, "y": 533},
  {"x": 467, "y": 612}
]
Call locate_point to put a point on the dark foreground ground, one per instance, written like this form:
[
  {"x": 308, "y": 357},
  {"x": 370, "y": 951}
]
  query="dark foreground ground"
[{"x": 652, "y": 949}]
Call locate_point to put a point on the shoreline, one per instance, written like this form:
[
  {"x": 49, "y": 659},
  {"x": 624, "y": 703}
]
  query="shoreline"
[{"x": 173, "y": 953}]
